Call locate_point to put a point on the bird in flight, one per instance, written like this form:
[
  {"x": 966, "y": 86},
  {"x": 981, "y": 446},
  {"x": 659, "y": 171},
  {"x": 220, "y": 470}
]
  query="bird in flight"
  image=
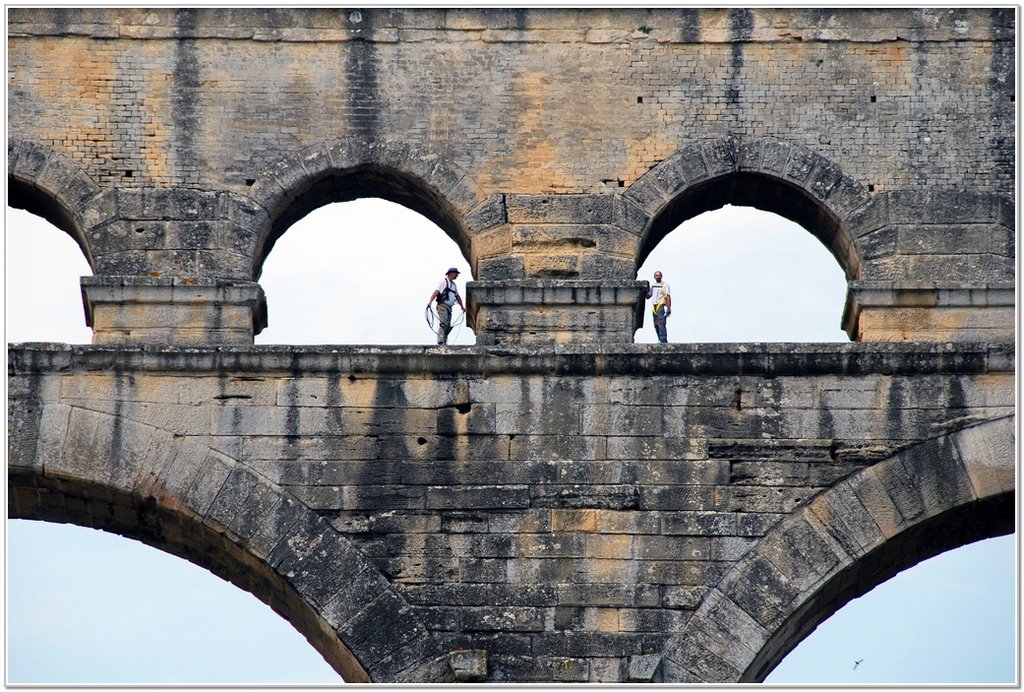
[{"x": 857, "y": 663}]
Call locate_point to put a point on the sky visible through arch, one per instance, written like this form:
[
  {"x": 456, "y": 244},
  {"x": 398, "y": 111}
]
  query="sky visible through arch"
[{"x": 87, "y": 607}]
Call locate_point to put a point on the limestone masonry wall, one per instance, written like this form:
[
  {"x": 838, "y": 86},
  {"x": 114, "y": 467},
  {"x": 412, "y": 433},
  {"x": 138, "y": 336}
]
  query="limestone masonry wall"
[
  {"x": 177, "y": 145},
  {"x": 567, "y": 515},
  {"x": 536, "y": 101},
  {"x": 554, "y": 503}
]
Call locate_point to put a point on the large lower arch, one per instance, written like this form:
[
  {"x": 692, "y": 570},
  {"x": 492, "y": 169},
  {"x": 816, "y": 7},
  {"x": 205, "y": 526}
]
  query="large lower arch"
[
  {"x": 351, "y": 168},
  {"x": 771, "y": 175},
  {"x": 182, "y": 496},
  {"x": 935, "y": 496}
]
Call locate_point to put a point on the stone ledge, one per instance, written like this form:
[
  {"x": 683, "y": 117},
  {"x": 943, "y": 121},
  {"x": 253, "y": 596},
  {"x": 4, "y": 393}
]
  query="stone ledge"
[
  {"x": 765, "y": 360},
  {"x": 931, "y": 294},
  {"x": 126, "y": 309},
  {"x": 923, "y": 311},
  {"x": 556, "y": 291},
  {"x": 551, "y": 312},
  {"x": 595, "y": 25}
]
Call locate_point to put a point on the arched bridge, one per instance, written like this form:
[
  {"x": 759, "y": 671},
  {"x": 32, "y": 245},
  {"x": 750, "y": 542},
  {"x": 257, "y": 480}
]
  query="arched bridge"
[{"x": 555, "y": 503}]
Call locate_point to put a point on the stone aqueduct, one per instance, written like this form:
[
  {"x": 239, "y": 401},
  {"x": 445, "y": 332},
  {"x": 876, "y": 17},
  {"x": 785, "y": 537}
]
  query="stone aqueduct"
[{"x": 555, "y": 503}]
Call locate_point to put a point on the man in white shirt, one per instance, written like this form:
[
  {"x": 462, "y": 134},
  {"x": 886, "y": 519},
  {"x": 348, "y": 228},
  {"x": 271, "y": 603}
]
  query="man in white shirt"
[
  {"x": 447, "y": 294},
  {"x": 661, "y": 306}
]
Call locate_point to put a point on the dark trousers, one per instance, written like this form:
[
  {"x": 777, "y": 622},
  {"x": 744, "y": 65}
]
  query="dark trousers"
[{"x": 661, "y": 324}]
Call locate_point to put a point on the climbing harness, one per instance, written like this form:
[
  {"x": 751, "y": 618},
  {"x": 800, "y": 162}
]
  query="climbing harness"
[{"x": 657, "y": 306}]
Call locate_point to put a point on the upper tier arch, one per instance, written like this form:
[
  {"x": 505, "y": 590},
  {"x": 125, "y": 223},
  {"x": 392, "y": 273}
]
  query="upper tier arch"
[
  {"x": 50, "y": 185},
  {"x": 350, "y": 168},
  {"x": 792, "y": 181}
]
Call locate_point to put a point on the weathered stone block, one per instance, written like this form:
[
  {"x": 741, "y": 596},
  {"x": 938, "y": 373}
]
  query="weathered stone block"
[
  {"x": 987, "y": 452},
  {"x": 552, "y": 545},
  {"x": 697, "y": 498},
  {"x": 544, "y": 447},
  {"x": 762, "y": 592},
  {"x": 375, "y": 635},
  {"x": 468, "y": 666},
  {"x": 488, "y": 214},
  {"x": 699, "y": 523},
  {"x": 545, "y": 569},
  {"x": 485, "y": 570},
  {"x": 572, "y": 209},
  {"x": 502, "y": 619},
  {"x": 631, "y": 522},
  {"x": 496, "y": 242},
  {"x": 483, "y": 497},
  {"x": 698, "y": 661},
  {"x": 574, "y": 520},
  {"x": 558, "y": 414},
  {"x": 127, "y": 309}
]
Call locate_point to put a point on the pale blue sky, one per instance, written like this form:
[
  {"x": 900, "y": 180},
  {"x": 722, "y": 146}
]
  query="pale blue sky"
[{"x": 736, "y": 275}]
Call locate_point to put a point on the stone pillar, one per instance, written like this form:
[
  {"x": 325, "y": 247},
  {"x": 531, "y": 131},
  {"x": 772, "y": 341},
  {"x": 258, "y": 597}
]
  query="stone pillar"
[
  {"x": 555, "y": 311},
  {"x": 139, "y": 309},
  {"x": 929, "y": 311}
]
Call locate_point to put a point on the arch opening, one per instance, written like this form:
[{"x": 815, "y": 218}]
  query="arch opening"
[
  {"x": 360, "y": 272},
  {"x": 732, "y": 277},
  {"x": 123, "y": 606},
  {"x": 34, "y": 201},
  {"x": 966, "y": 524},
  {"x": 762, "y": 192},
  {"x": 44, "y": 266},
  {"x": 166, "y": 528},
  {"x": 957, "y": 625},
  {"x": 368, "y": 181}
]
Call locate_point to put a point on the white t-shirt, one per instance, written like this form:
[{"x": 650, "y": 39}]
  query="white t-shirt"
[
  {"x": 659, "y": 291},
  {"x": 453, "y": 291}
]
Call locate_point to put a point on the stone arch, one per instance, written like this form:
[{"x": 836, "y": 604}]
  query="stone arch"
[
  {"x": 792, "y": 181},
  {"x": 182, "y": 496},
  {"x": 932, "y": 497},
  {"x": 350, "y": 168},
  {"x": 52, "y": 186}
]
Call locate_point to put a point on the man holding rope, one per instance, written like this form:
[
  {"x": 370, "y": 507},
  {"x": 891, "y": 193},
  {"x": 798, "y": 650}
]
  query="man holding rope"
[{"x": 447, "y": 294}]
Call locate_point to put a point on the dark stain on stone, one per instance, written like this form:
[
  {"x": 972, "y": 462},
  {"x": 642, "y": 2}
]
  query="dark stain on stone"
[
  {"x": 292, "y": 423},
  {"x": 691, "y": 25},
  {"x": 519, "y": 19},
  {"x": 1002, "y": 87},
  {"x": 122, "y": 381},
  {"x": 334, "y": 403},
  {"x": 741, "y": 26},
  {"x": 185, "y": 94},
  {"x": 362, "y": 69}
]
